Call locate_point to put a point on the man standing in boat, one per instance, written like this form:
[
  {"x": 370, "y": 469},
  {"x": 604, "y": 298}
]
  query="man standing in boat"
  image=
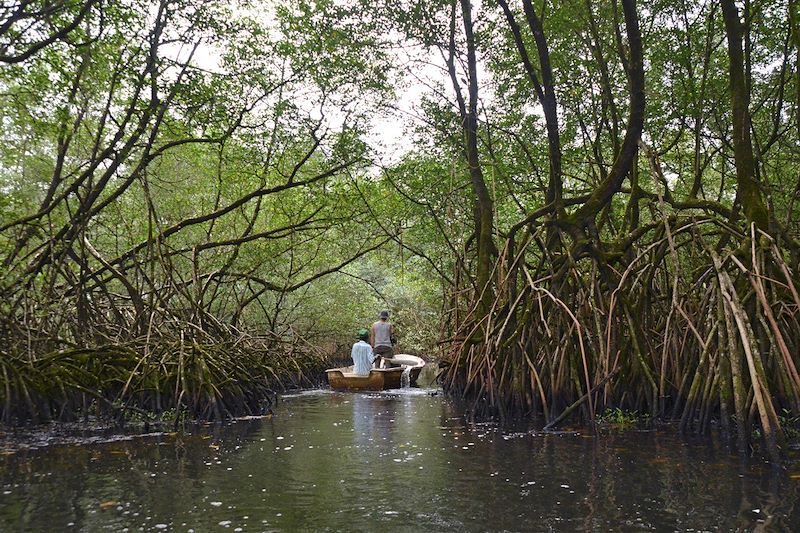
[
  {"x": 381, "y": 335},
  {"x": 362, "y": 354}
]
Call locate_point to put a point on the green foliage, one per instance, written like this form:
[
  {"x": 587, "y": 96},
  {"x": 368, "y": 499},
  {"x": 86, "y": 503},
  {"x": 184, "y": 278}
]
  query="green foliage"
[
  {"x": 621, "y": 419},
  {"x": 211, "y": 169},
  {"x": 790, "y": 423}
]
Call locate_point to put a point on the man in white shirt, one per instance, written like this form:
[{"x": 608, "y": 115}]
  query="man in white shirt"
[{"x": 362, "y": 354}]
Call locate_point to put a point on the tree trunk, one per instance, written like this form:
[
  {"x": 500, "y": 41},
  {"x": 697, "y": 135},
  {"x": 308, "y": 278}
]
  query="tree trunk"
[
  {"x": 635, "y": 70},
  {"x": 484, "y": 215},
  {"x": 748, "y": 192}
]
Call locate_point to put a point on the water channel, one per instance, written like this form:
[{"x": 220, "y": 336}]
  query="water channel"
[{"x": 401, "y": 460}]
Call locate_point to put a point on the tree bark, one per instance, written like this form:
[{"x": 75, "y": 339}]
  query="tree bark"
[
  {"x": 635, "y": 69},
  {"x": 484, "y": 207},
  {"x": 748, "y": 191}
]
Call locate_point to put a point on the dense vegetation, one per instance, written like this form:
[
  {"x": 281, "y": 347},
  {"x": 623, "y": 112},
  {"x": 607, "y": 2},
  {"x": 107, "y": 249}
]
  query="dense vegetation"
[
  {"x": 592, "y": 204},
  {"x": 174, "y": 197}
]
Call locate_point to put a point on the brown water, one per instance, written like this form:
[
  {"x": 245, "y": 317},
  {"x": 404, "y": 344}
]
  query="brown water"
[{"x": 397, "y": 461}]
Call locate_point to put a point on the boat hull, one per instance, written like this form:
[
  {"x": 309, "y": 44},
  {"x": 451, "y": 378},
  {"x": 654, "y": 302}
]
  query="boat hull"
[{"x": 377, "y": 379}]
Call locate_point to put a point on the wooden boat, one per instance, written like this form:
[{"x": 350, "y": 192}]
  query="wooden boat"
[{"x": 378, "y": 378}]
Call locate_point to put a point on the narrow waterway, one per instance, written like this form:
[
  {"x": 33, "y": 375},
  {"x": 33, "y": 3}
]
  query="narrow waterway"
[{"x": 395, "y": 461}]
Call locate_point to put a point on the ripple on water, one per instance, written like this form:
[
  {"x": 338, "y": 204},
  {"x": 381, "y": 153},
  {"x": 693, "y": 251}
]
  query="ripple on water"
[{"x": 395, "y": 461}]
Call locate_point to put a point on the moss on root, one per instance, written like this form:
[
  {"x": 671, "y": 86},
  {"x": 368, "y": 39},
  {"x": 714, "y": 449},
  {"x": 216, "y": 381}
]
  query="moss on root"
[{"x": 134, "y": 381}]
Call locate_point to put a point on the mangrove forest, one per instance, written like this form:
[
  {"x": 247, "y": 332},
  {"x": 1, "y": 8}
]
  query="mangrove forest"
[{"x": 568, "y": 207}]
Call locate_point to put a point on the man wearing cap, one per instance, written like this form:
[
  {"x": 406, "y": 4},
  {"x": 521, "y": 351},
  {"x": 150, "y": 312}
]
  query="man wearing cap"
[
  {"x": 362, "y": 354},
  {"x": 381, "y": 335}
]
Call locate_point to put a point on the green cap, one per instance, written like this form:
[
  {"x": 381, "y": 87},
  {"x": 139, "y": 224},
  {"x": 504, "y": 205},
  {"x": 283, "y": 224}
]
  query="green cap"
[{"x": 363, "y": 333}]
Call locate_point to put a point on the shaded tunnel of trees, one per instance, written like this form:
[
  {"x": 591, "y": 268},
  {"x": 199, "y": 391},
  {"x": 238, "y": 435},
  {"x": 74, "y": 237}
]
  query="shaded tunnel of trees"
[{"x": 594, "y": 206}]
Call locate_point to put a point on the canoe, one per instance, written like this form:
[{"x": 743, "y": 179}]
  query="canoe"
[{"x": 377, "y": 379}]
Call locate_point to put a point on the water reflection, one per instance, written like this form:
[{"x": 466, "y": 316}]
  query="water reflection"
[{"x": 399, "y": 461}]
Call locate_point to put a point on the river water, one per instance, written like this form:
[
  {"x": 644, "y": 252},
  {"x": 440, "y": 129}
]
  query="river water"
[{"x": 396, "y": 461}]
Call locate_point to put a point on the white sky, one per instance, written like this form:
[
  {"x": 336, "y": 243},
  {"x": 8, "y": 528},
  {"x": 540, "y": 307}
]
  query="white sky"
[{"x": 389, "y": 132}]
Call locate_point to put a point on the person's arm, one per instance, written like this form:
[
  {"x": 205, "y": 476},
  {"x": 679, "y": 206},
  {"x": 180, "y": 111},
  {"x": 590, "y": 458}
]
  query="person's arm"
[{"x": 372, "y": 335}]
